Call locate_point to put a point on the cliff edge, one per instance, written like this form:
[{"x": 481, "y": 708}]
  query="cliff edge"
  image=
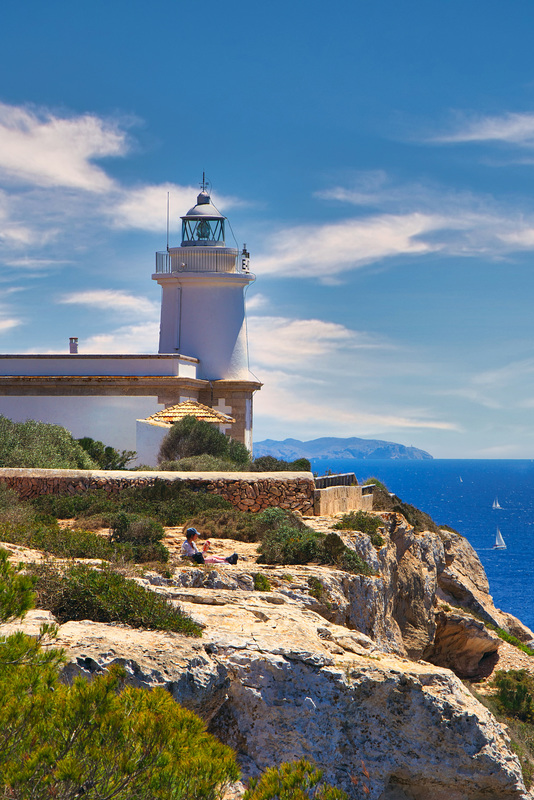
[{"x": 359, "y": 673}]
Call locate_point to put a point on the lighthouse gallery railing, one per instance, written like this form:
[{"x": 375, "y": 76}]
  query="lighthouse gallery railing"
[{"x": 217, "y": 259}]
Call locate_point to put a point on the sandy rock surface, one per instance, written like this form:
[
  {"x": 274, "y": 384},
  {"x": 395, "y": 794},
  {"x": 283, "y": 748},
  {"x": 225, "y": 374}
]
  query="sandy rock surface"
[{"x": 318, "y": 667}]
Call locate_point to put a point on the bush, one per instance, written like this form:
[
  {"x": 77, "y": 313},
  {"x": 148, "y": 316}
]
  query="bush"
[
  {"x": 203, "y": 463},
  {"x": 515, "y": 693},
  {"x": 143, "y": 534},
  {"x": 106, "y": 457},
  {"x": 363, "y": 522},
  {"x": 40, "y": 445},
  {"x": 170, "y": 504},
  {"x": 261, "y": 582},
  {"x": 297, "y": 780},
  {"x": 61, "y": 542},
  {"x": 13, "y": 510},
  {"x": 383, "y": 501},
  {"x": 242, "y": 525},
  {"x": 105, "y": 596},
  {"x": 102, "y": 739},
  {"x": 195, "y": 437},
  {"x": 272, "y": 464},
  {"x": 67, "y": 506},
  {"x": 289, "y": 545}
]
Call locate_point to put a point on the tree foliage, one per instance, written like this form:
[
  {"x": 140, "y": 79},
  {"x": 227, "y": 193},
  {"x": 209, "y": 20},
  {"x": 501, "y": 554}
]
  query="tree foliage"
[
  {"x": 98, "y": 739},
  {"x": 196, "y": 437},
  {"x": 296, "y": 780},
  {"x": 40, "y": 445},
  {"x": 105, "y": 456}
]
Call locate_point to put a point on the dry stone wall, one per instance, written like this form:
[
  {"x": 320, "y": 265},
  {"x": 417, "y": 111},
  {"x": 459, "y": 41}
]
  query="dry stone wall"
[{"x": 248, "y": 491}]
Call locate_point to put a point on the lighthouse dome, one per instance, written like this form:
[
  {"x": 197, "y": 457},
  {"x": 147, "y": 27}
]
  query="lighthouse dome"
[{"x": 203, "y": 208}]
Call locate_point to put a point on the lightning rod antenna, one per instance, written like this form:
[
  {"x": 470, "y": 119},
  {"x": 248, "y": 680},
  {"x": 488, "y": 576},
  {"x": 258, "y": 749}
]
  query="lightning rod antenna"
[{"x": 168, "y": 221}]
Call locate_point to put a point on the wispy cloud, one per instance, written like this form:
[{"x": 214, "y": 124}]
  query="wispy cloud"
[
  {"x": 512, "y": 128},
  {"x": 310, "y": 251},
  {"x": 113, "y": 300},
  {"x": 43, "y": 149},
  {"x": 280, "y": 340},
  {"x": 285, "y": 401},
  {"x": 140, "y": 338},
  {"x": 300, "y": 361},
  {"x": 145, "y": 207}
]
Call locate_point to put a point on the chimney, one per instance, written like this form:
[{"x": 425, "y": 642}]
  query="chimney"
[{"x": 73, "y": 345}]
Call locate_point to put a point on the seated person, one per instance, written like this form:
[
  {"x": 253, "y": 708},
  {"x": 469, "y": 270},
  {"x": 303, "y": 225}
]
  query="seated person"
[{"x": 190, "y": 550}]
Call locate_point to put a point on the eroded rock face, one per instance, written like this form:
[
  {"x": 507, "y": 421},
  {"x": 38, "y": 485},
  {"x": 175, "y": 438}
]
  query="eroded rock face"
[
  {"x": 277, "y": 681},
  {"x": 464, "y": 581},
  {"x": 417, "y": 730},
  {"x": 464, "y": 645}
]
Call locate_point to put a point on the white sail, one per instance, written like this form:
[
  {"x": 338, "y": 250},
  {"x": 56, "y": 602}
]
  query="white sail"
[
  {"x": 496, "y": 503},
  {"x": 499, "y": 541}
]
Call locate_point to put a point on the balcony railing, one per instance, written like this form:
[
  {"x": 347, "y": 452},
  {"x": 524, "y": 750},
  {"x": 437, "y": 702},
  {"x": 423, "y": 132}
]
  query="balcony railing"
[{"x": 198, "y": 259}]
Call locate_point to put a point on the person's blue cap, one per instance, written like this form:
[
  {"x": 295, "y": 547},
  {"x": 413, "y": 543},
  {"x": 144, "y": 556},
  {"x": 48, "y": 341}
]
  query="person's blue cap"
[{"x": 190, "y": 532}]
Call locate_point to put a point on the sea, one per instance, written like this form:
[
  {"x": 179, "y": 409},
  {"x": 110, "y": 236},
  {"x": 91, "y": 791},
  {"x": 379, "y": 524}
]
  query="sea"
[{"x": 462, "y": 494}]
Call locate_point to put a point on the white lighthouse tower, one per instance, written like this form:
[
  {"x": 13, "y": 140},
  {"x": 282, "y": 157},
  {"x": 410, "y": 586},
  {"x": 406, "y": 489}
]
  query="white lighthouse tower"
[
  {"x": 203, "y": 304},
  {"x": 202, "y": 357}
]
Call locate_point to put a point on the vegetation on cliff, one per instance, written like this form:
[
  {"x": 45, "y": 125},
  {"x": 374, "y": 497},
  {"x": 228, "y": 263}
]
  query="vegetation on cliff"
[
  {"x": 40, "y": 445},
  {"x": 104, "y": 595}
]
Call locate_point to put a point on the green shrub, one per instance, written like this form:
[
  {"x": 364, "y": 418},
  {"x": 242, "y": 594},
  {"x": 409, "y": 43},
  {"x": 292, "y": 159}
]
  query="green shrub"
[
  {"x": 383, "y": 501},
  {"x": 515, "y": 693},
  {"x": 272, "y": 464},
  {"x": 290, "y": 545},
  {"x": 297, "y": 780},
  {"x": 377, "y": 483},
  {"x": 104, "y": 595},
  {"x": 316, "y": 588},
  {"x": 261, "y": 582},
  {"x": 361, "y": 521},
  {"x": 61, "y": 542},
  {"x": 68, "y": 506},
  {"x": 203, "y": 463},
  {"x": 102, "y": 739},
  {"x": 13, "y": 510},
  {"x": 40, "y": 445},
  {"x": 230, "y": 523},
  {"x": 168, "y": 503},
  {"x": 106, "y": 457}
]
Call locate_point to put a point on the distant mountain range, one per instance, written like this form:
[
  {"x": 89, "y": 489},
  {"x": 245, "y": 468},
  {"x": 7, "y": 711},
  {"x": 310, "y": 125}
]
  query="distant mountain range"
[{"x": 332, "y": 447}]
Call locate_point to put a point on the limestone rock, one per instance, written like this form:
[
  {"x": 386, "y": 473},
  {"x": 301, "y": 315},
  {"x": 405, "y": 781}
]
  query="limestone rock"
[
  {"x": 464, "y": 645},
  {"x": 464, "y": 581}
]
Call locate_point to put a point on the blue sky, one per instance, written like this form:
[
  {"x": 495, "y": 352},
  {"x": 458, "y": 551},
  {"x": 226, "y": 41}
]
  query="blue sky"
[{"x": 377, "y": 159}]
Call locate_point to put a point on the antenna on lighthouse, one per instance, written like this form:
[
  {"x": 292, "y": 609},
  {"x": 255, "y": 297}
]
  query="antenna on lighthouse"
[
  {"x": 206, "y": 184},
  {"x": 168, "y": 221}
]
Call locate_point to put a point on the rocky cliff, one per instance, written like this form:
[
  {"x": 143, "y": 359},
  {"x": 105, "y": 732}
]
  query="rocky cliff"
[{"x": 359, "y": 673}]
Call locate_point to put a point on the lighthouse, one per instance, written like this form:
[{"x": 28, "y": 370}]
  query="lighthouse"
[
  {"x": 202, "y": 357},
  {"x": 203, "y": 285}
]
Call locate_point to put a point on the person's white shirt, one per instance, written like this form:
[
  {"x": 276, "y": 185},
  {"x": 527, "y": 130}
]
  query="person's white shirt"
[{"x": 189, "y": 549}]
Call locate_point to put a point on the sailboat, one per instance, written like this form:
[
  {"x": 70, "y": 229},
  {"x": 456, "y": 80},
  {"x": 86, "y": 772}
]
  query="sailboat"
[
  {"x": 496, "y": 503},
  {"x": 499, "y": 541}
]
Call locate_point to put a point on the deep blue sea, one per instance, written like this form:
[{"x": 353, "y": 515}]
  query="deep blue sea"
[{"x": 461, "y": 493}]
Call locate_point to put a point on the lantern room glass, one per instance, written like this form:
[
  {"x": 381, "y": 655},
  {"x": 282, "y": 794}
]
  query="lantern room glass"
[{"x": 202, "y": 231}]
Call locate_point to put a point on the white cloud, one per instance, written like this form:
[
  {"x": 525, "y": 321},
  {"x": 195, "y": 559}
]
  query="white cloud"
[
  {"x": 42, "y": 149},
  {"x": 288, "y": 342},
  {"x": 8, "y": 324},
  {"x": 324, "y": 251},
  {"x": 113, "y": 300},
  {"x": 145, "y": 207},
  {"x": 257, "y": 301},
  {"x": 142, "y": 338},
  {"x": 283, "y": 400},
  {"x": 513, "y": 128}
]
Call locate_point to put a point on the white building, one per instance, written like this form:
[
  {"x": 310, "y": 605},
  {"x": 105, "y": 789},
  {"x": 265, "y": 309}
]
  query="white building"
[{"x": 202, "y": 356}]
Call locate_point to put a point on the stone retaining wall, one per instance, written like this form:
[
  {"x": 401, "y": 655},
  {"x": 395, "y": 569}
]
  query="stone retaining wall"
[
  {"x": 247, "y": 491},
  {"x": 335, "y": 499}
]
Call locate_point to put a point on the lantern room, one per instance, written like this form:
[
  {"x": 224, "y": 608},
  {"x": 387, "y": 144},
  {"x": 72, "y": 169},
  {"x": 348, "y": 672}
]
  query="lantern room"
[{"x": 203, "y": 225}]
